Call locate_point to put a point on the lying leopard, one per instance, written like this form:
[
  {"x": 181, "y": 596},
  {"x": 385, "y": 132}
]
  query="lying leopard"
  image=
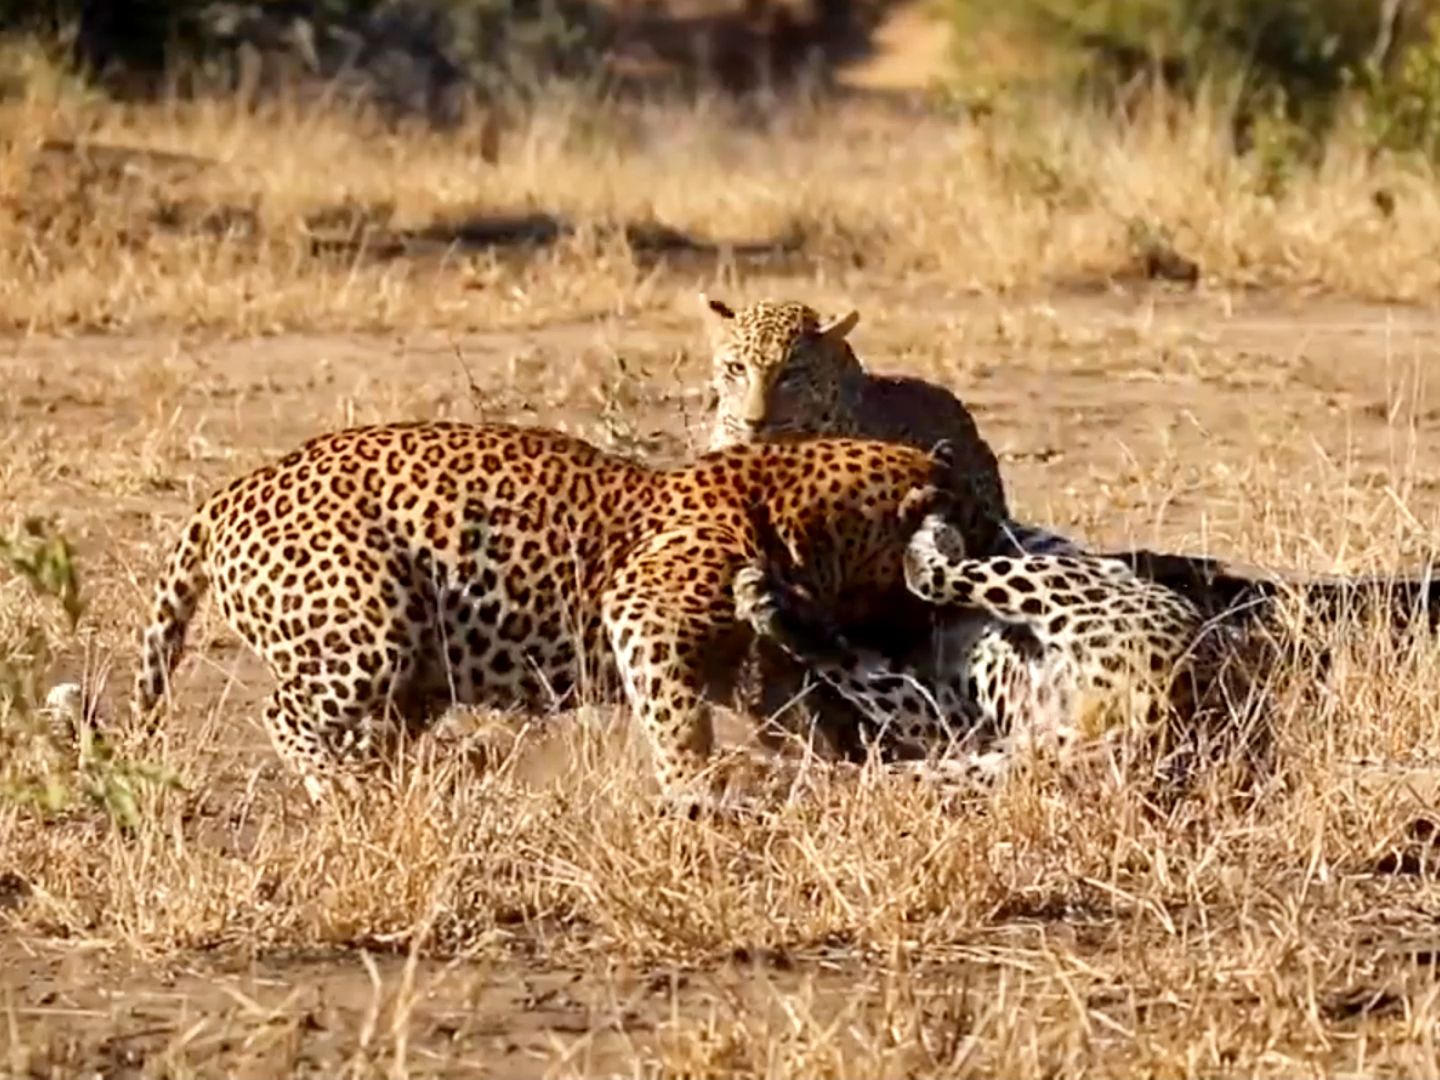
[
  {"x": 1051, "y": 651},
  {"x": 1054, "y": 652},
  {"x": 384, "y": 572}
]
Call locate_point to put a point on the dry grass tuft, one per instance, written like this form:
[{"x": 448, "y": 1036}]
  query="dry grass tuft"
[
  {"x": 1068, "y": 922},
  {"x": 256, "y": 221}
]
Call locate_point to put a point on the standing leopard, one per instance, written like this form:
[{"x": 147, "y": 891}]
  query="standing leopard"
[{"x": 404, "y": 567}]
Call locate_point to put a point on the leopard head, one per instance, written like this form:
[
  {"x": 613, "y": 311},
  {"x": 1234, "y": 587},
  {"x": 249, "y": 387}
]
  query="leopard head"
[{"x": 778, "y": 369}]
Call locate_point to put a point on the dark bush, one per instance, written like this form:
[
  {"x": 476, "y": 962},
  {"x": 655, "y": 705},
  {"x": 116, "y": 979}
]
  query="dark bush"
[
  {"x": 404, "y": 54},
  {"x": 105, "y": 35}
]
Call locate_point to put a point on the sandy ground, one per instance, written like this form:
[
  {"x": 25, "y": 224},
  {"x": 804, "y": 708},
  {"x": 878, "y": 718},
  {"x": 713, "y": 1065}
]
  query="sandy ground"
[{"x": 1145, "y": 417}]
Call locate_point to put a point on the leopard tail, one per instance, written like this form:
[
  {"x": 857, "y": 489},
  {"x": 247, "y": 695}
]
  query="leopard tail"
[{"x": 177, "y": 593}]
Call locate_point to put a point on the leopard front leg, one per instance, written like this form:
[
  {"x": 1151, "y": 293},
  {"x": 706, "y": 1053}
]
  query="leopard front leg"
[{"x": 670, "y": 621}]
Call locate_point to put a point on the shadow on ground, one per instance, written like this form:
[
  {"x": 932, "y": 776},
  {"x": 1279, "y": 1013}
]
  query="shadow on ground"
[{"x": 146, "y": 192}]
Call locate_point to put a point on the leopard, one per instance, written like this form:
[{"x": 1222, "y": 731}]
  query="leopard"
[
  {"x": 1053, "y": 652},
  {"x": 779, "y": 368},
  {"x": 386, "y": 572}
]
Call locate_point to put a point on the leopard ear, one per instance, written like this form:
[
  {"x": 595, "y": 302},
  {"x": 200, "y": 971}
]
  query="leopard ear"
[
  {"x": 836, "y": 329},
  {"x": 713, "y": 309},
  {"x": 717, "y": 316}
]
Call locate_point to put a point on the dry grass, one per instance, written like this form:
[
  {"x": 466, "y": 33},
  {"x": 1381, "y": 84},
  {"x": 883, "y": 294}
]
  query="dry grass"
[
  {"x": 858, "y": 925},
  {"x": 540, "y": 918},
  {"x": 986, "y": 204},
  {"x": 1066, "y": 924}
]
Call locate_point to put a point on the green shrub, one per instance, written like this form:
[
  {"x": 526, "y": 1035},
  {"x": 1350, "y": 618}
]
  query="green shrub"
[
  {"x": 1294, "y": 55},
  {"x": 1402, "y": 109},
  {"x": 51, "y": 757}
]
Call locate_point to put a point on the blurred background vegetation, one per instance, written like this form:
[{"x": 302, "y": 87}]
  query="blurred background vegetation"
[{"x": 1286, "y": 70}]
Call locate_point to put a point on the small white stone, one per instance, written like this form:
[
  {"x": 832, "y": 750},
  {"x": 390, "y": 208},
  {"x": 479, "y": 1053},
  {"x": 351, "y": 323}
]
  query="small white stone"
[{"x": 66, "y": 700}]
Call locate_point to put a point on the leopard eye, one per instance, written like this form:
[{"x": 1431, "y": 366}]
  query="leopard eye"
[
  {"x": 735, "y": 370},
  {"x": 792, "y": 378}
]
